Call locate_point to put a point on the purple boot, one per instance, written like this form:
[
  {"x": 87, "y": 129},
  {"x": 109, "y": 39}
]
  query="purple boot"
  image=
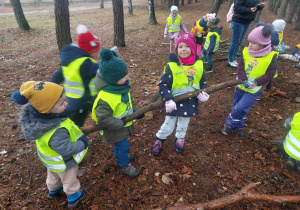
[
  {"x": 179, "y": 145},
  {"x": 156, "y": 147}
]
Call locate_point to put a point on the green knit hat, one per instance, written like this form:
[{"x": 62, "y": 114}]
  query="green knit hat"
[{"x": 111, "y": 68}]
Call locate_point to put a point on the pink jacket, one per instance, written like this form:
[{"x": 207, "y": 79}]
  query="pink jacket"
[
  {"x": 230, "y": 13},
  {"x": 172, "y": 35}
]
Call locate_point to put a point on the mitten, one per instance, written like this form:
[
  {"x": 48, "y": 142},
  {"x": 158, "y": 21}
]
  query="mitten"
[
  {"x": 170, "y": 106},
  {"x": 115, "y": 51},
  {"x": 84, "y": 140},
  {"x": 165, "y": 36},
  {"x": 252, "y": 84},
  {"x": 246, "y": 84},
  {"x": 203, "y": 97}
]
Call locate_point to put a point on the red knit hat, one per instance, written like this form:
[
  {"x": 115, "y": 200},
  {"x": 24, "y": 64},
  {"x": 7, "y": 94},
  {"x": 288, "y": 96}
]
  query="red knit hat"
[
  {"x": 189, "y": 40},
  {"x": 86, "y": 40}
]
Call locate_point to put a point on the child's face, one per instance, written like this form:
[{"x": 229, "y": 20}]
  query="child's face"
[
  {"x": 183, "y": 50},
  {"x": 60, "y": 105},
  {"x": 255, "y": 47},
  {"x": 122, "y": 81},
  {"x": 174, "y": 13}
]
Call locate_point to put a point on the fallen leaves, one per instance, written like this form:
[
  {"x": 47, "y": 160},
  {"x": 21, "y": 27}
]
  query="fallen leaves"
[{"x": 166, "y": 179}]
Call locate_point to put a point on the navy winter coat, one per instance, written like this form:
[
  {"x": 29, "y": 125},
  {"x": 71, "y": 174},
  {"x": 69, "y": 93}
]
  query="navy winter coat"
[{"x": 242, "y": 11}]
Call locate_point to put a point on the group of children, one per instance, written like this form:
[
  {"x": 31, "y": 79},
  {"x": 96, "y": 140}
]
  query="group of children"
[{"x": 103, "y": 89}]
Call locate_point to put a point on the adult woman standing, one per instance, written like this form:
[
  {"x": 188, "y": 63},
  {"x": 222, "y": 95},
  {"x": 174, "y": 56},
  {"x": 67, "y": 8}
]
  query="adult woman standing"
[{"x": 244, "y": 14}]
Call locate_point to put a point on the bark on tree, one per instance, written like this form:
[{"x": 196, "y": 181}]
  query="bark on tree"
[
  {"x": 189, "y": 1},
  {"x": 293, "y": 9},
  {"x": 277, "y": 6},
  {"x": 160, "y": 103},
  {"x": 176, "y": 2},
  {"x": 130, "y": 9},
  {"x": 297, "y": 19},
  {"x": 62, "y": 23},
  {"x": 283, "y": 7},
  {"x": 152, "y": 18},
  {"x": 256, "y": 20},
  {"x": 119, "y": 33},
  {"x": 270, "y": 5},
  {"x": 170, "y": 3},
  {"x": 19, "y": 14},
  {"x": 215, "y": 6},
  {"x": 243, "y": 194},
  {"x": 182, "y": 2},
  {"x": 102, "y": 4}
]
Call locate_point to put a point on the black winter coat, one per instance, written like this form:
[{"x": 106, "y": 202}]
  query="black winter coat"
[{"x": 242, "y": 11}]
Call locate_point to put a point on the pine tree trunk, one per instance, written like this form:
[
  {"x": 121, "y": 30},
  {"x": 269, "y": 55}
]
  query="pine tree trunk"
[
  {"x": 297, "y": 19},
  {"x": 130, "y": 9},
  {"x": 170, "y": 3},
  {"x": 270, "y": 5},
  {"x": 257, "y": 16},
  {"x": 292, "y": 11},
  {"x": 182, "y": 2},
  {"x": 101, "y": 4},
  {"x": 62, "y": 23},
  {"x": 283, "y": 7},
  {"x": 119, "y": 34},
  {"x": 215, "y": 6},
  {"x": 189, "y": 1},
  {"x": 152, "y": 18},
  {"x": 19, "y": 14},
  {"x": 176, "y": 2}
]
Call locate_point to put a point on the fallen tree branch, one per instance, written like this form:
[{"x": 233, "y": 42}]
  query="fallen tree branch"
[
  {"x": 160, "y": 103},
  {"x": 241, "y": 195}
]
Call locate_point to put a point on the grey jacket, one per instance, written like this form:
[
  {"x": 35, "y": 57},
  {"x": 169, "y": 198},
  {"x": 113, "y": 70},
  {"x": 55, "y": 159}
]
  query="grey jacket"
[
  {"x": 34, "y": 128},
  {"x": 114, "y": 131}
]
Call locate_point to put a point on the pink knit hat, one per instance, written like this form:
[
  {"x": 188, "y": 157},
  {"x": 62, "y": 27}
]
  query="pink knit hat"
[
  {"x": 260, "y": 35},
  {"x": 189, "y": 40}
]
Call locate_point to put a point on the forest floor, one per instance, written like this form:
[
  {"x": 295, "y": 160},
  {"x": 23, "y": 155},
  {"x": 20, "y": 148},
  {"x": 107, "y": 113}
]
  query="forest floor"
[{"x": 212, "y": 165}]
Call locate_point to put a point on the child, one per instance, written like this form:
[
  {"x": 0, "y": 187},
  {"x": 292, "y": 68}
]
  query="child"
[
  {"x": 256, "y": 68},
  {"x": 60, "y": 144},
  {"x": 77, "y": 72},
  {"x": 111, "y": 107},
  {"x": 173, "y": 25},
  {"x": 183, "y": 74},
  {"x": 212, "y": 42},
  {"x": 199, "y": 29},
  {"x": 279, "y": 26}
]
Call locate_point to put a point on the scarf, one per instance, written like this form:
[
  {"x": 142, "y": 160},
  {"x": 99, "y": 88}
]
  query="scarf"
[
  {"x": 260, "y": 53},
  {"x": 174, "y": 18},
  {"x": 188, "y": 61},
  {"x": 119, "y": 89}
]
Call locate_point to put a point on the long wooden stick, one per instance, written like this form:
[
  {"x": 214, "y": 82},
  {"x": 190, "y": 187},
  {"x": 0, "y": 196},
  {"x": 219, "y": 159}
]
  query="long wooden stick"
[
  {"x": 241, "y": 195},
  {"x": 160, "y": 103}
]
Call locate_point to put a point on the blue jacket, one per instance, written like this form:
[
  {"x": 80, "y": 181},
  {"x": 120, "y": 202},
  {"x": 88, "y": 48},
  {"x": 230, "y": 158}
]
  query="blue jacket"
[
  {"x": 190, "y": 106},
  {"x": 242, "y": 11},
  {"x": 88, "y": 71}
]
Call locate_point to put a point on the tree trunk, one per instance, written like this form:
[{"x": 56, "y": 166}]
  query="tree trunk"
[
  {"x": 176, "y": 2},
  {"x": 182, "y": 2},
  {"x": 215, "y": 6},
  {"x": 277, "y": 6},
  {"x": 257, "y": 16},
  {"x": 189, "y": 1},
  {"x": 62, "y": 23},
  {"x": 283, "y": 7},
  {"x": 19, "y": 14},
  {"x": 170, "y": 3},
  {"x": 230, "y": 3},
  {"x": 297, "y": 19},
  {"x": 292, "y": 11},
  {"x": 152, "y": 18},
  {"x": 270, "y": 5},
  {"x": 130, "y": 9},
  {"x": 90, "y": 129},
  {"x": 119, "y": 34},
  {"x": 101, "y": 4}
]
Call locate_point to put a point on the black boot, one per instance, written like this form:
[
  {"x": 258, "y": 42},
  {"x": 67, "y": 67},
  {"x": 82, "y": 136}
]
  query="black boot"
[{"x": 209, "y": 69}]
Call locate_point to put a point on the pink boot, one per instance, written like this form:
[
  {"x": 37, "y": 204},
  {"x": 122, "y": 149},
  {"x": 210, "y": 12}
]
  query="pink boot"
[
  {"x": 199, "y": 48},
  {"x": 179, "y": 145}
]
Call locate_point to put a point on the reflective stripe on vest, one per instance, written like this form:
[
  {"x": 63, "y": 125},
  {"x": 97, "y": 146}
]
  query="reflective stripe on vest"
[
  {"x": 186, "y": 80},
  {"x": 207, "y": 41},
  {"x": 280, "y": 37},
  {"x": 200, "y": 29},
  {"x": 120, "y": 109},
  {"x": 73, "y": 84},
  {"x": 174, "y": 26},
  {"x": 292, "y": 140},
  {"x": 276, "y": 74},
  {"x": 52, "y": 159},
  {"x": 255, "y": 68}
]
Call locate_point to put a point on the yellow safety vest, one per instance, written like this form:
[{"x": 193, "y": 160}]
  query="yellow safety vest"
[
  {"x": 255, "y": 68},
  {"x": 292, "y": 140},
  {"x": 280, "y": 37},
  {"x": 186, "y": 80},
  {"x": 73, "y": 84},
  {"x": 174, "y": 25},
  {"x": 276, "y": 74},
  {"x": 120, "y": 109},
  {"x": 207, "y": 41},
  {"x": 52, "y": 159},
  {"x": 199, "y": 30}
]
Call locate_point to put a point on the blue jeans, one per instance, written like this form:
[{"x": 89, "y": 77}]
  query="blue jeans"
[
  {"x": 208, "y": 57},
  {"x": 242, "y": 102},
  {"x": 121, "y": 152},
  {"x": 239, "y": 32}
]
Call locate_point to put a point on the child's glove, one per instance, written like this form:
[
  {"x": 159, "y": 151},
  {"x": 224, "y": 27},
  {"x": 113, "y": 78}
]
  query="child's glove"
[
  {"x": 115, "y": 51},
  {"x": 170, "y": 106},
  {"x": 84, "y": 140},
  {"x": 165, "y": 36},
  {"x": 249, "y": 84},
  {"x": 203, "y": 97}
]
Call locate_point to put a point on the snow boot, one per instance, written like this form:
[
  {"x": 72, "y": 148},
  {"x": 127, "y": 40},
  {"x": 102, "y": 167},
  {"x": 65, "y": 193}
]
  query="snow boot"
[
  {"x": 131, "y": 171},
  {"x": 293, "y": 164},
  {"x": 157, "y": 147},
  {"x": 226, "y": 130},
  {"x": 56, "y": 193},
  {"x": 240, "y": 132},
  {"x": 130, "y": 158},
  {"x": 209, "y": 69},
  {"x": 74, "y": 198},
  {"x": 179, "y": 145}
]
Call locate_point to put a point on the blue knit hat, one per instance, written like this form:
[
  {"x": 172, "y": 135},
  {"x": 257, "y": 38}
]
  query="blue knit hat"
[{"x": 111, "y": 68}]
